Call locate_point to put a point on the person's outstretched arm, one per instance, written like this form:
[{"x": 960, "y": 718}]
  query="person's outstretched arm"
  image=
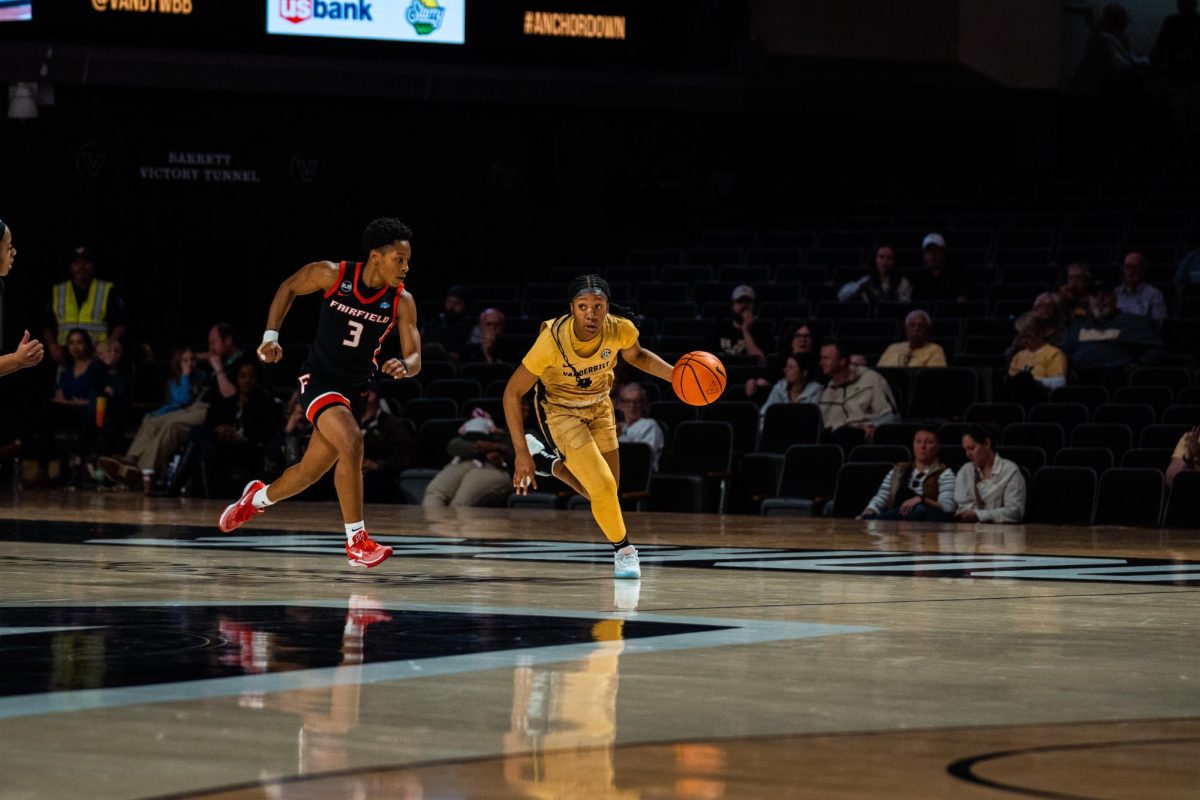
[
  {"x": 319, "y": 276},
  {"x": 647, "y": 361},
  {"x": 28, "y": 353}
]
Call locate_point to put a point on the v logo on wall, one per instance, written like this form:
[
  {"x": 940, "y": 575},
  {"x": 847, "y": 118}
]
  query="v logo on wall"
[{"x": 90, "y": 159}]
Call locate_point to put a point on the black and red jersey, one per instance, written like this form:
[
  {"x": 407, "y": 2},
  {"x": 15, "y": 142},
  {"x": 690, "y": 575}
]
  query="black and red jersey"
[{"x": 353, "y": 322}]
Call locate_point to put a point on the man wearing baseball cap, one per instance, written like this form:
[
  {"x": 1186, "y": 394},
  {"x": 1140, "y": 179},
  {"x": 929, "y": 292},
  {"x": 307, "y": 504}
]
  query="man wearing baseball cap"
[
  {"x": 937, "y": 281},
  {"x": 743, "y": 333},
  {"x": 83, "y": 301}
]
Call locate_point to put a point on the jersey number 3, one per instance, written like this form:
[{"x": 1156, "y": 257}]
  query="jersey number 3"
[{"x": 356, "y": 330}]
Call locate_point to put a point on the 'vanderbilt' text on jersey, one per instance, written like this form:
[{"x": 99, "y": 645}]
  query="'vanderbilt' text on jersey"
[{"x": 353, "y": 322}]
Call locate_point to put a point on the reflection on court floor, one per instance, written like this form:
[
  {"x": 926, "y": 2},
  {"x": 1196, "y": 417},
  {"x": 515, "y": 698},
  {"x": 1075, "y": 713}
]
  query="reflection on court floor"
[{"x": 144, "y": 655}]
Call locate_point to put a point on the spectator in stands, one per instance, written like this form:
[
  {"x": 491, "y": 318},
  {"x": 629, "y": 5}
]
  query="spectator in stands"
[
  {"x": 1102, "y": 345},
  {"x": 389, "y": 447},
  {"x": 452, "y": 328},
  {"x": 67, "y": 412},
  {"x": 1111, "y": 66},
  {"x": 113, "y": 396},
  {"x": 1189, "y": 269},
  {"x": 635, "y": 424},
  {"x": 483, "y": 345},
  {"x": 883, "y": 284},
  {"x": 855, "y": 401},
  {"x": 1037, "y": 367},
  {"x": 183, "y": 387},
  {"x": 1185, "y": 455},
  {"x": 159, "y": 437},
  {"x": 1176, "y": 54},
  {"x": 1134, "y": 295},
  {"x": 988, "y": 488},
  {"x": 800, "y": 339},
  {"x": 916, "y": 350},
  {"x": 1046, "y": 309},
  {"x": 480, "y": 472},
  {"x": 84, "y": 302},
  {"x": 231, "y": 441},
  {"x": 936, "y": 282},
  {"x": 921, "y": 490},
  {"x": 798, "y": 385},
  {"x": 1073, "y": 294},
  {"x": 743, "y": 334}
]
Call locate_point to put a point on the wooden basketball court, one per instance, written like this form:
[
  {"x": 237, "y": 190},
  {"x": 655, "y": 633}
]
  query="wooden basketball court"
[{"x": 146, "y": 655}]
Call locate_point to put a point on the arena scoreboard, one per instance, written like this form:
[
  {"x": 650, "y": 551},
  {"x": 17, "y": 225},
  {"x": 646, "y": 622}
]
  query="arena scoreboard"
[{"x": 570, "y": 31}]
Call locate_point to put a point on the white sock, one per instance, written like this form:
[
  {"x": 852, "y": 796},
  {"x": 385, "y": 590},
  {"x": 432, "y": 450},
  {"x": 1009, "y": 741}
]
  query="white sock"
[
  {"x": 353, "y": 528},
  {"x": 260, "y": 499}
]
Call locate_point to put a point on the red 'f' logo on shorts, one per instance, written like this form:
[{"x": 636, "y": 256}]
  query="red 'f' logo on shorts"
[{"x": 304, "y": 381}]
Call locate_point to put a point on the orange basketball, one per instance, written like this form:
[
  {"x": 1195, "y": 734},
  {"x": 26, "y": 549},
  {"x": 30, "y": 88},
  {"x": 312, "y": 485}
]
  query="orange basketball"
[{"x": 698, "y": 378}]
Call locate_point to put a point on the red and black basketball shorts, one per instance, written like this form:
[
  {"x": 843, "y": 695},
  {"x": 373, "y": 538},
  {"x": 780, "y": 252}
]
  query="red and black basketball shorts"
[{"x": 318, "y": 394}]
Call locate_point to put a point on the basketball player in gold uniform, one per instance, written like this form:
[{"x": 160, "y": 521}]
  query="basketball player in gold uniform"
[{"x": 572, "y": 365}]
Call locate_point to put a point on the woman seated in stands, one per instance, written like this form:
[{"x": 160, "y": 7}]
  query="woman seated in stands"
[
  {"x": 916, "y": 350},
  {"x": 920, "y": 491},
  {"x": 184, "y": 385},
  {"x": 988, "y": 488},
  {"x": 800, "y": 340},
  {"x": 798, "y": 384},
  {"x": 883, "y": 284},
  {"x": 1037, "y": 367},
  {"x": 68, "y": 411}
]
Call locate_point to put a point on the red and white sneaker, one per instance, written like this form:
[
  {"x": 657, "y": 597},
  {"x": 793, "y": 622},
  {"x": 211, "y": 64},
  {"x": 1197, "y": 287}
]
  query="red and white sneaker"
[
  {"x": 364, "y": 552},
  {"x": 237, "y": 514}
]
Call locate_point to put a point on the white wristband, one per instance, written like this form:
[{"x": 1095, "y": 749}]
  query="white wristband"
[{"x": 270, "y": 336}]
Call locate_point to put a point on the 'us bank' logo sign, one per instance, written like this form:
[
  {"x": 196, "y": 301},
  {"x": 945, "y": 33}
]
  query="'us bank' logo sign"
[
  {"x": 297, "y": 11},
  {"x": 441, "y": 21}
]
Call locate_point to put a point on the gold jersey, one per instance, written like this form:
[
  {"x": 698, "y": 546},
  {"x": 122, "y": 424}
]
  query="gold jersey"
[{"x": 593, "y": 359}]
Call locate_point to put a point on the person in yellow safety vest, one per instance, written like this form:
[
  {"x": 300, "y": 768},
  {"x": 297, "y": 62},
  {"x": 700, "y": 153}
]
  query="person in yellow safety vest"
[{"x": 82, "y": 302}]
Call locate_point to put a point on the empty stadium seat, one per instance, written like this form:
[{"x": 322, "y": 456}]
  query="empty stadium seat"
[
  {"x": 1089, "y": 395},
  {"x": 1183, "y": 504},
  {"x": 1068, "y": 415},
  {"x": 1062, "y": 496},
  {"x": 787, "y": 424},
  {"x": 1000, "y": 415},
  {"x": 1048, "y": 436},
  {"x": 1116, "y": 437},
  {"x": 891, "y": 453},
  {"x": 1130, "y": 497},
  {"x": 810, "y": 471},
  {"x": 1098, "y": 459},
  {"x": 1182, "y": 415},
  {"x": 942, "y": 393},
  {"x": 856, "y": 485},
  {"x": 1028, "y": 457},
  {"x": 1149, "y": 457},
  {"x": 1162, "y": 435},
  {"x": 1136, "y": 415}
]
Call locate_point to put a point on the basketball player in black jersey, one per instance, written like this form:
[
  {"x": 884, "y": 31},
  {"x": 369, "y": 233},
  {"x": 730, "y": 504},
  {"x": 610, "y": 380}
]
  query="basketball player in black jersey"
[{"x": 362, "y": 303}]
